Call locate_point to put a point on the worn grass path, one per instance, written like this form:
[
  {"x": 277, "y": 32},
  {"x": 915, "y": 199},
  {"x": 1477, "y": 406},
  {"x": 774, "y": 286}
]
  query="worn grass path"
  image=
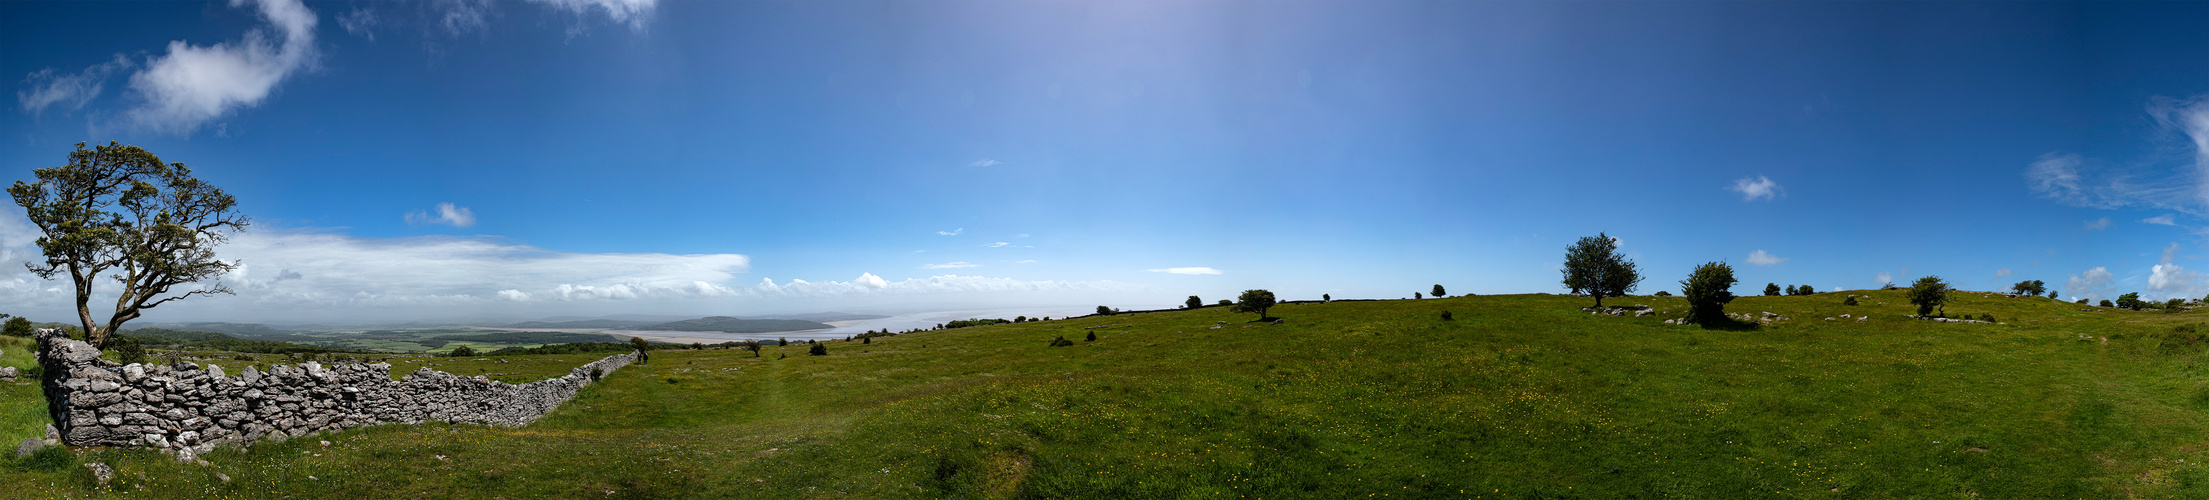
[{"x": 1519, "y": 396}]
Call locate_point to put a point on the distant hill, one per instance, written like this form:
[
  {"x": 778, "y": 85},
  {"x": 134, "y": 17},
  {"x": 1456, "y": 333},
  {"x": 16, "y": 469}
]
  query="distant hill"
[
  {"x": 530, "y": 338},
  {"x": 253, "y": 331},
  {"x": 736, "y": 325},
  {"x": 588, "y": 323},
  {"x": 825, "y": 317}
]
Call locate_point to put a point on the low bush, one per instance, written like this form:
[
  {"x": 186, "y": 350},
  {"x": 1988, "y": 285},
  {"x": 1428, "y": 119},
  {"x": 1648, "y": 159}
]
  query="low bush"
[
  {"x": 1061, "y": 342},
  {"x": 819, "y": 349},
  {"x": 1849, "y": 301},
  {"x": 1092, "y": 337},
  {"x": 1445, "y": 316}
]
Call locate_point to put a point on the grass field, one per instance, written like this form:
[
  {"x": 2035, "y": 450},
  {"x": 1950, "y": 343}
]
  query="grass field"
[{"x": 1518, "y": 396}]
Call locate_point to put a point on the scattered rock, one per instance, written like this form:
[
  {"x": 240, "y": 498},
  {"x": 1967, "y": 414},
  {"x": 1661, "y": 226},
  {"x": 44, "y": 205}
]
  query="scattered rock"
[
  {"x": 27, "y": 447},
  {"x": 101, "y": 472},
  {"x": 224, "y": 477}
]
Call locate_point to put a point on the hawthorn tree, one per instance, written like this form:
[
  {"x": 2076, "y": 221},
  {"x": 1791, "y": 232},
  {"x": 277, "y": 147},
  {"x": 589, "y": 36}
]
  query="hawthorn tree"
[
  {"x": 1594, "y": 266},
  {"x": 1193, "y": 303},
  {"x": 1439, "y": 292},
  {"x": 2030, "y": 287},
  {"x": 1927, "y": 293},
  {"x": 1254, "y": 301},
  {"x": 119, "y": 209},
  {"x": 1772, "y": 289},
  {"x": 1707, "y": 290}
]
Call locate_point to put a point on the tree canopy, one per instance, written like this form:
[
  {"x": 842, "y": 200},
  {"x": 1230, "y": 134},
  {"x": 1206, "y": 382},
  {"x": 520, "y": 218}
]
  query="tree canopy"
[
  {"x": 1593, "y": 266},
  {"x": 116, "y": 208},
  {"x": 1928, "y": 293},
  {"x": 1707, "y": 290},
  {"x": 1254, "y": 301}
]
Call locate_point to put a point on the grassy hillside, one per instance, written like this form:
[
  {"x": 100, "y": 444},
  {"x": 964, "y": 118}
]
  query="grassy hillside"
[{"x": 1518, "y": 396}]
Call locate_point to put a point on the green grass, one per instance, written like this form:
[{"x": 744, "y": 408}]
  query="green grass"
[{"x": 1519, "y": 396}]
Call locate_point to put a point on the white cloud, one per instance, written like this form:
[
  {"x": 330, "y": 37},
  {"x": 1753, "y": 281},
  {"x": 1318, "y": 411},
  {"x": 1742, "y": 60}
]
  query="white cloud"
[
  {"x": 950, "y": 265},
  {"x": 632, "y": 12},
  {"x": 1763, "y": 258},
  {"x": 949, "y": 283},
  {"x": 2102, "y": 223},
  {"x": 2165, "y": 219},
  {"x": 985, "y": 163},
  {"x": 361, "y": 22},
  {"x": 2002, "y": 272},
  {"x": 446, "y": 214},
  {"x": 2191, "y": 117},
  {"x": 2093, "y": 284},
  {"x": 954, "y": 232},
  {"x": 1761, "y": 187},
  {"x": 192, "y": 85},
  {"x": 2175, "y": 280},
  {"x": 869, "y": 280},
  {"x": 1187, "y": 270},
  {"x": 46, "y": 88},
  {"x": 1883, "y": 278},
  {"x": 513, "y": 295},
  {"x": 998, "y": 245},
  {"x": 1029, "y": 261}
]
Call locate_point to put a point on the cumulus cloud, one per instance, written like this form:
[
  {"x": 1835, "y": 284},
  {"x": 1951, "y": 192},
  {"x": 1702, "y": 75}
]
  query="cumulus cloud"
[
  {"x": 2093, "y": 284},
  {"x": 2172, "y": 279},
  {"x": 1751, "y": 189},
  {"x": 985, "y": 163},
  {"x": 514, "y": 295},
  {"x": 192, "y": 85},
  {"x": 2102, "y": 223},
  {"x": 1187, "y": 270},
  {"x": 1763, "y": 258},
  {"x": 46, "y": 88},
  {"x": 950, "y": 265},
  {"x": 446, "y": 214},
  {"x": 2165, "y": 219},
  {"x": 954, "y": 232}
]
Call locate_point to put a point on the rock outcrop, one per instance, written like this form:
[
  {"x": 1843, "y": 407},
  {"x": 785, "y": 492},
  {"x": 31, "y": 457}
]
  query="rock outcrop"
[{"x": 190, "y": 410}]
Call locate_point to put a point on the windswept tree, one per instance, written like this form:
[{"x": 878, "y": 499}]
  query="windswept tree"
[
  {"x": 2030, "y": 287},
  {"x": 1254, "y": 301},
  {"x": 118, "y": 211},
  {"x": 1193, "y": 302},
  {"x": 1593, "y": 266},
  {"x": 1772, "y": 289},
  {"x": 1439, "y": 292},
  {"x": 1928, "y": 293}
]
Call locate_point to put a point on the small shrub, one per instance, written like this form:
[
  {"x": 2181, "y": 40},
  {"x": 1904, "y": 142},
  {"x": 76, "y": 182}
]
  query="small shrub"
[
  {"x": 1226, "y": 302},
  {"x": 127, "y": 350},
  {"x": 1061, "y": 342},
  {"x": 866, "y": 340},
  {"x": 819, "y": 349},
  {"x": 1192, "y": 303},
  {"x": 1415, "y": 296},
  {"x": 1662, "y": 293},
  {"x": 1849, "y": 301},
  {"x": 1322, "y": 298},
  {"x": 1446, "y": 316},
  {"x": 1439, "y": 292},
  {"x": 2105, "y": 303},
  {"x": 1092, "y": 337},
  {"x": 1104, "y": 311},
  {"x": 1771, "y": 289},
  {"x": 18, "y": 327},
  {"x": 1806, "y": 290},
  {"x": 462, "y": 352}
]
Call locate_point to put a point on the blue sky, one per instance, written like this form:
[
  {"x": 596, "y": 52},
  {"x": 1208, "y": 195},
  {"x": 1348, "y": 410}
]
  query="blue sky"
[{"x": 534, "y": 158}]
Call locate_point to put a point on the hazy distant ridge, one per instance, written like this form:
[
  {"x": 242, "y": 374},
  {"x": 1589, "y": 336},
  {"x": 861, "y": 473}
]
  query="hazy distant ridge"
[{"x": 736, "y": 325}]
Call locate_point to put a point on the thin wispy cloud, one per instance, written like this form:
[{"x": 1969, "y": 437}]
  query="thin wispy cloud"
[
  {"x": 2096, "y": 224},
  {"x": 985, "y": 163},
  {"x": 447, "y": 214},
  {"x": 2071, "y": 179},
  {"x": 1187, "y": 270},
  {"x": 1752, "y": 189},
  {"x": 46, "y": 88},
  {"x": 360, "y": 22},
  {"x": 631, "y": 12},
  {"x": 1883, "y": 278},
  {"x": 1763, "y": 258},
  {"x": 954, "y": 232},
  {"x": 999, "y": 244},
  {"x": 2165, "y": 219},
  {"x": 951, "y": 265},
  {"x": 192, "y": 85},
  {"x": 2003, "y": 272}
]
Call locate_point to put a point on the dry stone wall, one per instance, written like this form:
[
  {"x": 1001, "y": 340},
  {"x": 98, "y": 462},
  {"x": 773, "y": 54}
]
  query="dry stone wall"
[{"x": 190, "y": 410}]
